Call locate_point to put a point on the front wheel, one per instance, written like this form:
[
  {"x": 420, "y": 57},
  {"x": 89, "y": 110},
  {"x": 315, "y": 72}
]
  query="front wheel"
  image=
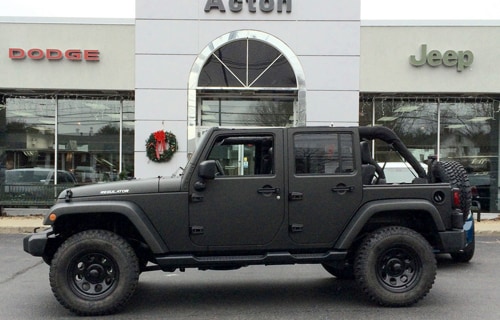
[
  {"x": 94, "y": 272},
  {"x": 395, "y": 266}
]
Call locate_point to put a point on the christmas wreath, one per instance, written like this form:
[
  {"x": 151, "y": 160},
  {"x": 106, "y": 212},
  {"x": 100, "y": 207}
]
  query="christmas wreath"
[{"x": 161, "y": 146}]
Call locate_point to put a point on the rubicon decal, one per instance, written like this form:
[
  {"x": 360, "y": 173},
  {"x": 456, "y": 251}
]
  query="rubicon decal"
[{"x": 54, "y": 54}]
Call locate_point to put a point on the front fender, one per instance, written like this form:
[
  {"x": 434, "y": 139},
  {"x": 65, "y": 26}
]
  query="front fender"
[
  {"x": 127, "y": 209},
  {"x": 372, "y": 208}
]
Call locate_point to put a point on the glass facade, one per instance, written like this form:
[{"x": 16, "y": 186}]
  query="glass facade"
[
  {"x": 463, "y": 129},
  {"x": 246, "y": 112},
  {"x": 88, "y": 136}
]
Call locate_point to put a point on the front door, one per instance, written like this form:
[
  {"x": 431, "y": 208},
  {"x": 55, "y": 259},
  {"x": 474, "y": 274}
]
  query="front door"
[
  {"x": 325, "y": 186},
  {"x": 244, "y": 204}
]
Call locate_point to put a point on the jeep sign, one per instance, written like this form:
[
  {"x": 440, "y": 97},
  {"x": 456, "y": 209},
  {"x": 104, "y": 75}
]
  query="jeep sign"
[{"x": 450, "y": 58}]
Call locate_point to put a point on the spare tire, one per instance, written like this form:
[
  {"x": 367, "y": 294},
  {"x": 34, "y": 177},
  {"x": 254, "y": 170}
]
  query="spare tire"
[{"x": 453, "y": 173}]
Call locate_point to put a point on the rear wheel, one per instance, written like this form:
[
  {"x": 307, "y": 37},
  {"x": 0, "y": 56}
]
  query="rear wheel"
[
  {"x": 395, "y": 266},
  {"x": 94, "y": 272}
]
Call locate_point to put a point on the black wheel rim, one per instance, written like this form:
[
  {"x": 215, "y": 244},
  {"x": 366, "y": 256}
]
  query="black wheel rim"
[
  {"x": 399, "y": 269},
  {"x": 93, "y": 275}
]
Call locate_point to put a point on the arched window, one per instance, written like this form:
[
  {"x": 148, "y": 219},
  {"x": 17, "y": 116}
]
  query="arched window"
[
  {"x": 246, "y": 78},
  {"x": 247, "y": 63}
]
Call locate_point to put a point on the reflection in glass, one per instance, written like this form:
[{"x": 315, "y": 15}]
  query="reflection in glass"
[
  {"x": 323, "y": 153},
  {"x": 451, "y": 128},
  {"x": 89, "y": 137},
  {"x": 247, "y": 157},
  {"x": 247, "y": 112},
  {"x": 92, "y": 135},
  {"x": 28, "y": 127}
]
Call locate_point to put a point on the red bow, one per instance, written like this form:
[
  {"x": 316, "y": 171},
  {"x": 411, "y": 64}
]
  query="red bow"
[{"x": 161, "y": 145}]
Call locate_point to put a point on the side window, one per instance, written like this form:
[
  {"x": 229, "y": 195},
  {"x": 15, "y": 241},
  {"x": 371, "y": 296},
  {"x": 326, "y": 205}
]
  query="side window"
[
  {"x": 323, "y": 153},
  {"x": 62, "y": 178},
  {"x": 243, "y": 155}
]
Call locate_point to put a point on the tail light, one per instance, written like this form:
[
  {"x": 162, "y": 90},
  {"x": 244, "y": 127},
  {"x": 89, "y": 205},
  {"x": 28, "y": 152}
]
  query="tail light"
[{"x": 456, "y": 198}]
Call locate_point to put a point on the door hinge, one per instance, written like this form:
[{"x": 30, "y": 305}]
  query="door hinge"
[
  {"x": 294, "y": 196},
  {"x": 196, "y": 230},
  {"x": 196, "y": 197}
]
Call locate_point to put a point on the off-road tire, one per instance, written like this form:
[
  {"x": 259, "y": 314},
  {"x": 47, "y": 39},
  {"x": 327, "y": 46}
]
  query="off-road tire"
[
  {"x": 395, "y": 266},
  {"x": 94, "y": 272},
  {"x": 454, "y": 173}
]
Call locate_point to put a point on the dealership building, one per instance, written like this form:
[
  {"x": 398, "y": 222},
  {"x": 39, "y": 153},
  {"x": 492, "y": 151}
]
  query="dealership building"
[{"x": 84, "y": 95}]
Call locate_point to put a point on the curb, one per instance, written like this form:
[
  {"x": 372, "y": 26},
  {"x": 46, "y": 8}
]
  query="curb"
[
  {"x": 17, "y": 230},
  {"x": 487, "y": 233},
  {"x": 20, "y": 224}
]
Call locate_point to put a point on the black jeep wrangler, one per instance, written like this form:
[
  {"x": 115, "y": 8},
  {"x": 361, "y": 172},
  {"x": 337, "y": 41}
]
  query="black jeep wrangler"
[{"x": 265, "y": 196}]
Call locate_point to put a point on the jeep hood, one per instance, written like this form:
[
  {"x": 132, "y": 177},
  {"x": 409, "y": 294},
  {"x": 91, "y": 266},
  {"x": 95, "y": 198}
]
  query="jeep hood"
[{"x": 136, "y": 186}]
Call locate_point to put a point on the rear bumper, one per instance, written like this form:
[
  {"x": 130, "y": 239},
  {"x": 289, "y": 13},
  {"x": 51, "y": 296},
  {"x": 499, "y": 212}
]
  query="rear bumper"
[
  {"x": 452, "y": 241},
  {"x": 35, "y": 243},
  {"x": 460, "y": 237}
]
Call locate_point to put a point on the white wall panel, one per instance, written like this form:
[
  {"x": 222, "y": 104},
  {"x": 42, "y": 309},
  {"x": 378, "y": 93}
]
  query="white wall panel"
[
  {"x": 161, "y": 103},
  {"x": 385, "y": 56},
  {"x": 331, "y": 73},
  {"x": 179, "y": 128},
  {"x": 301, "y": 10},
  {"x": 326, "y": 38},
  {"x": 163, "y": 71},
  {"x": 167, "y": 36},
  {"x": 304, "y": 38},
  {"x": 147, "y": 168},
  {"x": 168, "y": 9},
  {"x": 332, "y": 123},
  {"x": 113, "y": 71},
  {"x": 332, "y": 106}
]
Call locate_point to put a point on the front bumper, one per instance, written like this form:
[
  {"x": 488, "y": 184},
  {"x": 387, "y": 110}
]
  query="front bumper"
[{"x": 35, "y": 243}]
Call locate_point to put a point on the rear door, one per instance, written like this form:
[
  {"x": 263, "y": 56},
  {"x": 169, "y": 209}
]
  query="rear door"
[
  {"x": 325, "y": 186},
  {"x": 244, "y": 204}
]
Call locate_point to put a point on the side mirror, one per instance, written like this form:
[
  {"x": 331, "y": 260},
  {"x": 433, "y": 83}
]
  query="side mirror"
[{"x": 207, "y": 169}]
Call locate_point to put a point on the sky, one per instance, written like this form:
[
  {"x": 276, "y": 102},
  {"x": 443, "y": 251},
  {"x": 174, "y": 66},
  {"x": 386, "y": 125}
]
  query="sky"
[{"x": 370, "y": 9}]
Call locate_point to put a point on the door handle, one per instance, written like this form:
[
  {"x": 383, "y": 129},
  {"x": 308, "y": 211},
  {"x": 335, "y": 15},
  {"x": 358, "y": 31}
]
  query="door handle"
[
  {"x": 342, "y": 189},
  {"x": 268, "y": 190}
]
